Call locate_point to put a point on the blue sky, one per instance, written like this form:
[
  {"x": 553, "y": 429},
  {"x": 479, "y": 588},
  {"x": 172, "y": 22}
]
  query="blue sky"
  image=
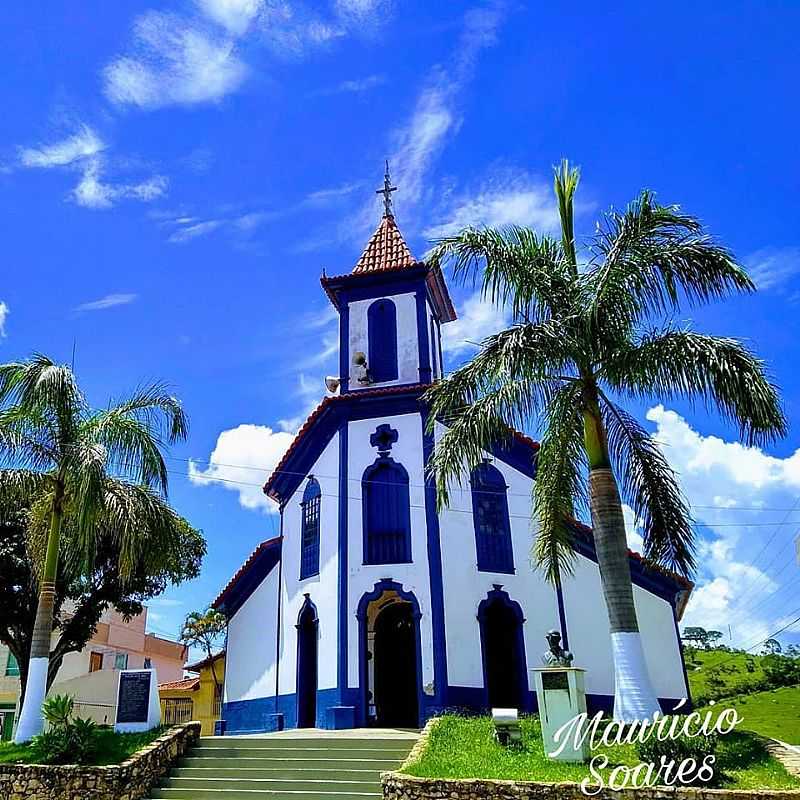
[{"x": 175, "y": 176}]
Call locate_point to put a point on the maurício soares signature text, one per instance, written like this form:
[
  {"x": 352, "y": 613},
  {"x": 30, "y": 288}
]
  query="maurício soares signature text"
[{"x": 666, "y": 773}]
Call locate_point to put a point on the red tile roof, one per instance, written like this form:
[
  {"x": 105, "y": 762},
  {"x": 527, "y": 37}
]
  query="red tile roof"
[
  {"x": 243, "y": 569},
  {"x": 679, "y": 579},
  {"x": 386, "y": 250},
  {"x": 187, "y": 684}
]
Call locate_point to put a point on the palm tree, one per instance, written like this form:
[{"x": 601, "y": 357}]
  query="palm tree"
[
  {"x": 204, "y": 629},
  {"x": 91, "y": 469},
  {"x": 585, "y": 337}
]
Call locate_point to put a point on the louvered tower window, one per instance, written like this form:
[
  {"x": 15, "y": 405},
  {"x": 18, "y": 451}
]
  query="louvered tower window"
[
  {"x": 309, "y": 557},
  {"x": 490, "y": 516},
  {"x": 382, "y": 341}
]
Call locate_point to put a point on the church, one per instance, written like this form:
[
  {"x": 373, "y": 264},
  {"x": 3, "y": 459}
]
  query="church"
[{"x": 373, "y": 608}]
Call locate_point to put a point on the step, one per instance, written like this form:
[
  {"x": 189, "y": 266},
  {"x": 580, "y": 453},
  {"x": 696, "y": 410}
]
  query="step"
[
  {"x": 330, "y": 762},
  {"x": 287, "y": 743},
  {"x": 315, "y": 749},
  {"x": 164, "y": 793},
  {"x": 289, "y": 773},
  {"x": 273, "y": 784}
]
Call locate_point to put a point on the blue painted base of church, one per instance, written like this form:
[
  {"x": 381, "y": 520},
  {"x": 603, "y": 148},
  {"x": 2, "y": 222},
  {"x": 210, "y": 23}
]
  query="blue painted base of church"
[{"x": 264, "y": 715}]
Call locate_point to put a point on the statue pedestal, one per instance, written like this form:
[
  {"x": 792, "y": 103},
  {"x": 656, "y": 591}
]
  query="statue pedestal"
[{"x": 561, "y": 696}]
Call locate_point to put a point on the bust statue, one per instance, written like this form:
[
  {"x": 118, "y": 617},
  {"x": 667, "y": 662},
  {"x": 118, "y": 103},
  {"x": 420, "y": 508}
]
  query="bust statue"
[{"x": 556, "y": 656}]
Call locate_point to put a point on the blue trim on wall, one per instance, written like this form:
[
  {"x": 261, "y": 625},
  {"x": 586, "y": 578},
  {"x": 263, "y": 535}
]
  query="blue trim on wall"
[
  {"x": 497, "y": 595},
  {"x": 341, "y": 671},
  {"x": 386, "y": 584},
  {"x": 344, "y": 348},
  {"x": 562, "y": 616},
  {"x": 435, "y": 569},
  {"x": 422, "y": 337}
]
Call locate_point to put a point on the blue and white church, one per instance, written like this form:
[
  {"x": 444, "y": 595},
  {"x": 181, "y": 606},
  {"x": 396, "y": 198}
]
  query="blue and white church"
[{"x": 374, "y": 608}]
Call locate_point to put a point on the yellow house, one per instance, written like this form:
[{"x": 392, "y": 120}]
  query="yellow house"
[{"x": 195, "y": 698}]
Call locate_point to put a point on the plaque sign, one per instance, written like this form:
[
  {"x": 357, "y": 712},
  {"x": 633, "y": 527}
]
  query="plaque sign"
[{"x": 138, "y": 707}]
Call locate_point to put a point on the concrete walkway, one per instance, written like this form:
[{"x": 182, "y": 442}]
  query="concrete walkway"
[{"x": 787, "y": 754}]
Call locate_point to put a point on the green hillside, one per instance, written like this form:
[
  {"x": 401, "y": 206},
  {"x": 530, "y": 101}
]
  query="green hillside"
[{"x": 718, "y": 673}]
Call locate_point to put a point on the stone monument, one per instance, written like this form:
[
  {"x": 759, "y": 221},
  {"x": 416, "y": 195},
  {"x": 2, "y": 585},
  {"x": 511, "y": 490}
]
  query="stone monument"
[{"x": 138, "y": 706}]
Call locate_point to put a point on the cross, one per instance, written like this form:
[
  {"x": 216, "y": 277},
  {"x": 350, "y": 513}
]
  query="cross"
[
  {"x": 383, "y": 438},
  {"x": 387, "y": 193}
]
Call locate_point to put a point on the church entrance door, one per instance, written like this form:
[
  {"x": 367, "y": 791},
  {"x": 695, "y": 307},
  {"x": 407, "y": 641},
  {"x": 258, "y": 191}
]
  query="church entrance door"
[
  {"x": 307, "y": 669},
  {"x": 396, "y": 702},
  {"x": 502, "y": 637}
]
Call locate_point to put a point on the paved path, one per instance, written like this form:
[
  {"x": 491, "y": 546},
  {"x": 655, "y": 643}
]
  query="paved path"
[{"x": 787, "y": 754}]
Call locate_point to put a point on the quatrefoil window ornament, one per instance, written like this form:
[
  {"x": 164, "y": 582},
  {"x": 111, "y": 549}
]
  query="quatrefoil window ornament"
[{"x": 383, "y": 438}]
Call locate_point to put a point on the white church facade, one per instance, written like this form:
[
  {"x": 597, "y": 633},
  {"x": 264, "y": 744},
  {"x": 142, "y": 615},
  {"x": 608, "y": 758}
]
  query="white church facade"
[{"x": 372, "y": 607}]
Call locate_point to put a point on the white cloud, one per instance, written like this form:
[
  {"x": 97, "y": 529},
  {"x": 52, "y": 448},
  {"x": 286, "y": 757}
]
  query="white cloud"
[
  {"x": 3, "y": 318},
  {"x": 188, "y": 232},
  {"x": 477, "y": 319},
  {"x": 241, "y": 461},
  {"x": 358, "y": 85},
  {"x": 93, "y": 192},
  {"x": 175, "y": 61},
  {"x": 505, "y": 198},
  {"x": 109, "y": 301},
  {"x": 773, "y": 267},
  {"x": 81, "y": 145},
  {"x": 234, "y": 15},
  {"x": 743, "y": 498}
]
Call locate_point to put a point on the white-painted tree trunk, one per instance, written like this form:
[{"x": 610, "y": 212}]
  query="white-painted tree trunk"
[
  {"x": 634, "y": 697},
  {"x": 31, "y": 722}
]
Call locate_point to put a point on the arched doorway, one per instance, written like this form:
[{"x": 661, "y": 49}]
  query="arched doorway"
[
  {"x": 503, "y": 645},
  {"x": 307, "y": 626},
  {"x": 395, "y": 667}
]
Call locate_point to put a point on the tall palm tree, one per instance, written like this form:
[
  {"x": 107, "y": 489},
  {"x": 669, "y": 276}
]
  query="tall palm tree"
[
  {"x": 87, "y": 468},
  {"x": 585, "y": 337}
]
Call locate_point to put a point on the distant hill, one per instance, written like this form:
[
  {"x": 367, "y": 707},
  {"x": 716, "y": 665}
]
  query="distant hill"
[{"x": 714, "y": 673}]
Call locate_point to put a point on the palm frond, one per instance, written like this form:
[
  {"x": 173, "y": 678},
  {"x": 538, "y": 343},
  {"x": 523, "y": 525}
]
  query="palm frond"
[
  {"x": 473, "y": 428},
  {"x": 720, "y": 371},
  {"x": 650, "y": 487},
  {"x": 19, "y": 488},
  {"x": 648, "y": 256},
  {"x": 559, "y": 487},
  {"x": 518, "y": 269},
  {"x": 565, "y": 183}
]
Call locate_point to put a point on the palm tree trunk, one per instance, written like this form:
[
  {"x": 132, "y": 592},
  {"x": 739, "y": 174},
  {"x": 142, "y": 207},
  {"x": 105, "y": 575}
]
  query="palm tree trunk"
[
  {"x": 31, "y": 721},
  {"x": 634, "y": 697}
]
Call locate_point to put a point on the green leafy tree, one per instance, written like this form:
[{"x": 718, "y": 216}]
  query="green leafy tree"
[
  {"x": 206, "y": 630},
  {"x": 82, "y": 465},
  {"x": 771, "y": 647},
  {"x": 584, "y": 339},
  {"x": 712, "y": 638},
  {"x": 82, "y": 595}
]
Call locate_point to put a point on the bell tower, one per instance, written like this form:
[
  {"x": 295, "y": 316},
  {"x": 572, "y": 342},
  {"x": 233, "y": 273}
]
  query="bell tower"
[{"x": 391, "y": 309}]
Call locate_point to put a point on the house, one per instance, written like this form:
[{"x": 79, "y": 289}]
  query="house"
[
  {"x": 198, "y": 697},
  {"x": 91, "y": 675},
  {"x": 372, "y": 606}
]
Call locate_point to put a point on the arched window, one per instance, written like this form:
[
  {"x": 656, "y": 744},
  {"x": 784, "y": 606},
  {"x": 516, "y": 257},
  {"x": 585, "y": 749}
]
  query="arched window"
[
  {"x": 382, "y": 338},
  {"x": 490, "y": 516},
  {"x": 386, "y": 513},
  {"x": 309, "y": 552}
]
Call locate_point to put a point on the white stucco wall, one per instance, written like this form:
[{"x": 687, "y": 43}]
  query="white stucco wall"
[
  {"x": 414, "y": 577},
  {"x": 407, "y": 341},
  {"x": 250, "y": 663},
  {"x": 323, "y": 588}
]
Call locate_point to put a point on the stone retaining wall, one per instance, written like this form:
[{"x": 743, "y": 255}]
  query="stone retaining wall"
[{"x": 130, "y": 780}]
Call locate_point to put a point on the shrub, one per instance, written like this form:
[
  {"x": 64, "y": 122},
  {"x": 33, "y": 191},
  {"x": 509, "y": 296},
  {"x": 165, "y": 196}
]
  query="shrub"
[
  {"x": 678, "y": 750},
  {"x": 68, "y": 740}
]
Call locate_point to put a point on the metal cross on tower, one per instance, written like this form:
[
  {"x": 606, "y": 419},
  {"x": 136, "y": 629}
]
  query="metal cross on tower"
[{"x": 387, "y": 193}]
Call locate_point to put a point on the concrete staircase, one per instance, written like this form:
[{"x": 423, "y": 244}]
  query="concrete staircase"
[{"x": 317, "y": 767}]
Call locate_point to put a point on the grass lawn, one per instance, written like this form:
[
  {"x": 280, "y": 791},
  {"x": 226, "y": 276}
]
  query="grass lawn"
[
  {"x": 775, "y": 713},
  {"x": 113, "y": 748},
  {"x": 463, "y": 747}
]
